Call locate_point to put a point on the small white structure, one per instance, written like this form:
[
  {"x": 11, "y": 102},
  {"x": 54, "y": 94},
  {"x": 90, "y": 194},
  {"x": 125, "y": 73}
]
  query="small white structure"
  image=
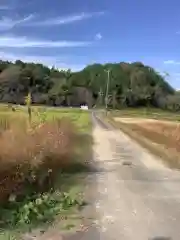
[{"x": 84, "y": 107}]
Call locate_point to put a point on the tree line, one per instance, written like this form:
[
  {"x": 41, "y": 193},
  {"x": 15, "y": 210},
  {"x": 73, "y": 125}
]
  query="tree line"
[{"x": 130, "y": 85}]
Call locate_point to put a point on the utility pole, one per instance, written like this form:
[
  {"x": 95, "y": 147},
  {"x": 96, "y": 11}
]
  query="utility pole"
[
  {"x": 107, "y": 89},
  {"x": 101, "y": 97}
]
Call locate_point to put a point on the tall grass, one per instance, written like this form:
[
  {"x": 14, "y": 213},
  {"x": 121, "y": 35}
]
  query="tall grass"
[
  {"x": 4, "y": 124},
  {"x": 33, "y": 156}
]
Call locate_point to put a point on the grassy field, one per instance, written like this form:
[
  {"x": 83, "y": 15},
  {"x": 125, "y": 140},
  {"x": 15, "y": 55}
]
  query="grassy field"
[
  {"x": 157, "y": 130},
  {"x": 43, "y": 164},
  {"x": 79, "y": 117}
]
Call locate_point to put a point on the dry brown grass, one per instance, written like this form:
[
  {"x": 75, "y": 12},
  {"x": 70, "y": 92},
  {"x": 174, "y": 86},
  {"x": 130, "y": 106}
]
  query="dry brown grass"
[
  {"x": 160, "y": 137},
  {"x": 33, "y": 156},
  {"x": 164, "y": 134}
]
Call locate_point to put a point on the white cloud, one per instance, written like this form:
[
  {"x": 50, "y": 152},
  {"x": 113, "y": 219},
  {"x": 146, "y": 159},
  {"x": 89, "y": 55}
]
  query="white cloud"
[
  {"x": 8, "y": 23},
  {"x": 22, "y": 42},
  {"x": 65, "y": 19},
  {"x": 4, "y": 7},
  {"x": 98, "y": 36},
  {"x": 58, "y": 62},
  {"x": 172, "y": 62}
]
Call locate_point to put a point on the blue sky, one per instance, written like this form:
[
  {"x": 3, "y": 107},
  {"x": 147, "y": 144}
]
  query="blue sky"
[{"x": 72, "y": 34}]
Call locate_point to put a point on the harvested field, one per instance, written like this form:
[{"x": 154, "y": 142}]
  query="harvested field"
[
  {"x": 160, "y": 135},
  {"x": 162, "y": 132},
  {"x": 144, "y": 113},
  {"x": 144, "y": 120}
]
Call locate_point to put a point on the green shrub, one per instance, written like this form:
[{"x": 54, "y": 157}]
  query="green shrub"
[{"x": 38, "y": 208}]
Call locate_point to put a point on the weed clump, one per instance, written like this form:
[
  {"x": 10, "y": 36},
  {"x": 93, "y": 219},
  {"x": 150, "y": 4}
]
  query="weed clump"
[
  {"x": 36, "y": 151},
  {"x": 38, "y": 208},
  {"x": 34, "y": 156},
  {"x": 31, "y": 159}
]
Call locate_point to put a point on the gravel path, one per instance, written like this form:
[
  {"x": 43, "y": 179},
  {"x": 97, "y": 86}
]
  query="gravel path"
[{"x": 137, "y": 198}]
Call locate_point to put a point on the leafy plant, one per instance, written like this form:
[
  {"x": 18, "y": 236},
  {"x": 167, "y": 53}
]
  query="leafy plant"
[
  {"x": 42, "y": 116},
  {"x": 39, "y": 208}
]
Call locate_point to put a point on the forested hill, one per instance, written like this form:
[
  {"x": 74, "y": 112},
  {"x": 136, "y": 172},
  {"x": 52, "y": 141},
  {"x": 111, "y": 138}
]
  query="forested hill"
[{"x": 130, "y": 85}]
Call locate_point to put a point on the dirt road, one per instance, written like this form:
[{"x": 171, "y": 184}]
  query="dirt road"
[{"x": 137, "y": 198}]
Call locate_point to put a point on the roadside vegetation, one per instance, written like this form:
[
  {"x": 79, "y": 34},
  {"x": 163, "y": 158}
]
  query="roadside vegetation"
[
  {"x": 44, "y": 156},
  {"x": 157, "y": 130}
]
